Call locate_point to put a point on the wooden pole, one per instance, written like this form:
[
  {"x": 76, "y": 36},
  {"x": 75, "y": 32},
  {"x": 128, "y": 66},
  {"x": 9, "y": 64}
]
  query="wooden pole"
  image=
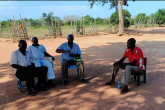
[
  {"x": 21, "y": 19},
  {"x": 51, "y": 27},
  {"x": 13, "y": 28},
  {"x": 71, "y": 23},
  {"x": 0, "y": 30}
]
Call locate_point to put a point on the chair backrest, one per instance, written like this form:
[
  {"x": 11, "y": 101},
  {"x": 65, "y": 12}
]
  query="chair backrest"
[{"x": 145, "y": 63}]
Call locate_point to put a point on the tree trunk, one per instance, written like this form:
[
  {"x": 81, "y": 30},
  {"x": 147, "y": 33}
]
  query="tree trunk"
[{"x": 121, "y": 21}]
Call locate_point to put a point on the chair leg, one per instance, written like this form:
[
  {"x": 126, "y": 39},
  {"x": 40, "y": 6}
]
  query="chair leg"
[
  {"x": 134, "y": 77},
  {"x": 62, "y": 76},
  {"x": 78, "y": 73},
  {"x": 138, "y": 80},
  {"x": 144, "y": 78},
  {"x": 20, "y": 85}
]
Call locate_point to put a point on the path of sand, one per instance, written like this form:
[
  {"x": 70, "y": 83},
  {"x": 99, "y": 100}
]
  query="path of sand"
[{"x": 98, "y": 53}]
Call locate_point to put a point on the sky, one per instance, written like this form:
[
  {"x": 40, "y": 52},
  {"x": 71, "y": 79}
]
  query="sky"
[{"x": 34, "y": 9}]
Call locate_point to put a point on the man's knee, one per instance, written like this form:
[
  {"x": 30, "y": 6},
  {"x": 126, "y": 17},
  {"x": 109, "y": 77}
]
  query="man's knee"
[
  {"x": 44, "y": 68},
  {"x": 128, "y": 67},
  {"x": 80, "y": 62}
]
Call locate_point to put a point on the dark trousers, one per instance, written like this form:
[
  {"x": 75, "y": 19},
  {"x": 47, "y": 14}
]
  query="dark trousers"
[
  {"x": 29, "y": 74},
  {"x": 67, "y": 63}
]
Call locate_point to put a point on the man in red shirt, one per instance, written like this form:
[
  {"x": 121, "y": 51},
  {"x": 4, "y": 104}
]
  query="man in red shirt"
[{"x": 136, "y": 59}]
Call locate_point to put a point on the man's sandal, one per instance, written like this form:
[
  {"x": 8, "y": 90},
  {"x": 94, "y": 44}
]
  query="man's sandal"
[{"x": 110, "y": 83}]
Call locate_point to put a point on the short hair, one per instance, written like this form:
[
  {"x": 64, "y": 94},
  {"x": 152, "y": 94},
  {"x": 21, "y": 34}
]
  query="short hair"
[
  {"x": 34, "y": 38},
  {"x": 70, "y": 35},
  {"x": 22, "y": 42},
  {"x": 132, "y": 40}
]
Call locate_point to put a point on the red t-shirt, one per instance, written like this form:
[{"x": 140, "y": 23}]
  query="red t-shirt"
[{"x": 136, "y": 55}]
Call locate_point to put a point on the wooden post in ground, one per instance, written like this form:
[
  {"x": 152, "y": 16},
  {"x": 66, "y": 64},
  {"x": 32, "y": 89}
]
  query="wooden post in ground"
[
  {"x": 21, "y": 20},
  {"x": 0, "y": 30},
  {"x": 51, "y": 27},
  {"x": 71, "y": 23}
]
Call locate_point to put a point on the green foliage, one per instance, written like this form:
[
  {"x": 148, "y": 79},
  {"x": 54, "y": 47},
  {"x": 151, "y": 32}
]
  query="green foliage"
[
  {"x": 160, "y": 16},
  {"x": 132, "y": 21},
  {"x": 3, "y": 23},
  {"x": 88, "y": 19},
  {"x": 141, "y": 16},
  {"x": 114, "y": 19},
  {"x": 113, "y": 3},
  {"x": 99, "y": 21}
]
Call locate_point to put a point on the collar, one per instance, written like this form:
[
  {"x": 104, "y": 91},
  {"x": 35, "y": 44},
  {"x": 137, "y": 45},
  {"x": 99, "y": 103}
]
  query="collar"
[{"x": 25, "y": 51}]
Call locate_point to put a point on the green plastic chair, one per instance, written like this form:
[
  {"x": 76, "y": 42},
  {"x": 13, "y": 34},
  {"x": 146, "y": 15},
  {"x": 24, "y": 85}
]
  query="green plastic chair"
[{"x": 138, "y": 74}]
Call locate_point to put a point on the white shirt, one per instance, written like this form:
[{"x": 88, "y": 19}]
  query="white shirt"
[
  {"x": 18, "y": 58},
  {"x": 37, "y": 52}
]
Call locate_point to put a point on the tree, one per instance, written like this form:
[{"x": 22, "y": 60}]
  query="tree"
[
  {"x": 160, "y": 16},
  {"x": 118, "y": 5},
  {"x": 141, "y": 17},
  {"x": 44, "y": 15},
  {"x": 115, "y": 18},
  {"x": 88, "y": 19}
]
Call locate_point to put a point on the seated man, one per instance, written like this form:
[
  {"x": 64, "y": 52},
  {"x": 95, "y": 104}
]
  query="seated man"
[
  {"x": 136, "y": 59},
  {"x": 71, "y": 50},
  {"x": 38, "y": 54},
  {"x": 25, "y": 70}
]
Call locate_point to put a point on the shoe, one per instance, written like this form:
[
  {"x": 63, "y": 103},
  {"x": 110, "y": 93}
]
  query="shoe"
[
  {"x": 110, "y": 83},
  {"x": 51, "y": 83},
  {"x": 124, "y": 91},
  {"x": 84, "y": 80},
  {"x": 29, "y": 92},
  {"x": 41, "y": 87},
  {"x": 65, "y": 83}
]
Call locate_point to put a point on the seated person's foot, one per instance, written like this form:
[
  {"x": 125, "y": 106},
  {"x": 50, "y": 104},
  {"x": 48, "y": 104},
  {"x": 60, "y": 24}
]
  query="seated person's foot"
[
  {"x": 110, "y": 83},
  {"x": 65, "y": 82},
  {"x": 84, "y": 80},
  {"x": 29, "y": 92},
  {"x": 124, "y": 90},
  {"x": 51, "y": 83},
  {"x": 42, "y": 87}
]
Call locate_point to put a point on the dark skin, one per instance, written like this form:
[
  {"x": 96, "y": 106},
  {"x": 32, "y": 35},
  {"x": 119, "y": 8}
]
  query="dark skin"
[
  {"x": 131, "y": 46},
  {"x": 22, "y": 47},
  {"x": 35, "y": 44},
  {"x": 70, "y": 43}
]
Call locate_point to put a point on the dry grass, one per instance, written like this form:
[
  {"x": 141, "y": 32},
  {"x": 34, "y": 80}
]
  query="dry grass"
[{"x": 43, "y": 32}]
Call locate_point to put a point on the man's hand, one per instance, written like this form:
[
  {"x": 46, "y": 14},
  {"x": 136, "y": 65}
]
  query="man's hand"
[
  {"x": 67, "y": 51},
  {"x": 71, "y": 55},
  {"x": 53, "y": 58},
  {"x": 117, "y": 63}
]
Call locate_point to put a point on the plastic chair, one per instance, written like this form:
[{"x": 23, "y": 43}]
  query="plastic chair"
[
  {"x": 19, "y": 85},
  {"x": 140, "y": 74},
  {"x": 70, "y": 67}
]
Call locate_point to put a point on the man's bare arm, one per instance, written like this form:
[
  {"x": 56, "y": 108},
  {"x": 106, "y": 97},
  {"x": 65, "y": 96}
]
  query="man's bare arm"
[
  {"x": 48, "y": 55},
  {"x": 62, "y": 51}
]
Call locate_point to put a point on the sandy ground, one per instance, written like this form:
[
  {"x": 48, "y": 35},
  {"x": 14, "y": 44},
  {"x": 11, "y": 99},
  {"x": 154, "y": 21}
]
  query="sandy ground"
[{"x": 98, "y": 53}]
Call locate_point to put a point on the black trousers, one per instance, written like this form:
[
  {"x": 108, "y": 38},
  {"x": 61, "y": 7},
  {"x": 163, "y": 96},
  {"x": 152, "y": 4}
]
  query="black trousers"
[{"x": 29, "y": 74}]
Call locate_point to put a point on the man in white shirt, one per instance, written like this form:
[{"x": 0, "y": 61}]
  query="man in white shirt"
[
  {"x": 38, "y": 54},
  {"x": 24, "y": 68}
]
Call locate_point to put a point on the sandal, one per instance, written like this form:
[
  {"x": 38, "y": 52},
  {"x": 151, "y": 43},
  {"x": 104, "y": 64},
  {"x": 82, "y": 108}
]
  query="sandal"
[
  {"x": 124, "y": 91},
  {"x": 110, "y": 83}
]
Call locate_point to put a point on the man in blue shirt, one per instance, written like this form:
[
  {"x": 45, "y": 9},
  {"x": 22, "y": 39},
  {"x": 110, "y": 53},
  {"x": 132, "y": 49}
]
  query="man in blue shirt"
[{"x": 71, "y": 50}]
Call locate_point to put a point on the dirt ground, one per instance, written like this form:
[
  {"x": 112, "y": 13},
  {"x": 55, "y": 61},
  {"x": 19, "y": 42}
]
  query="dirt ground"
[{"x": 98, "y": 54}]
